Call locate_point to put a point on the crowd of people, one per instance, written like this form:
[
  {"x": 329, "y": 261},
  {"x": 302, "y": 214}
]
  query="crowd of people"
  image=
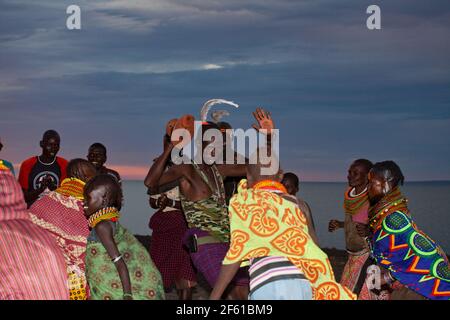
[{"x": 246, "y": 233}]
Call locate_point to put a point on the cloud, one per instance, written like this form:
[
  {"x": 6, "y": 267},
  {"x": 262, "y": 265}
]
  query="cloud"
[{"x": 337, "y": 90}]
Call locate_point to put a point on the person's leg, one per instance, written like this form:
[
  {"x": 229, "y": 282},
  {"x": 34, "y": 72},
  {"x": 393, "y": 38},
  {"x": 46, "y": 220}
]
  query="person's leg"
[{"x": 184, "y": 289}]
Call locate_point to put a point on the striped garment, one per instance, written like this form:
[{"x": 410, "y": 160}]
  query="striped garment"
[
  {"x": 268, "y": 269},
  {"x": 31, "y": 264}
]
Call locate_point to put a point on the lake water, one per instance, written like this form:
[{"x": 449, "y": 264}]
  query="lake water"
[{"x": 429, "y": 203}]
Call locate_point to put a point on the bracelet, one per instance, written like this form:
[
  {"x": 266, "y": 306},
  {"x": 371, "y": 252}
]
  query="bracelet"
[
  {"x": 116, "y": 259},
  {"x": 127, "y": 295}
]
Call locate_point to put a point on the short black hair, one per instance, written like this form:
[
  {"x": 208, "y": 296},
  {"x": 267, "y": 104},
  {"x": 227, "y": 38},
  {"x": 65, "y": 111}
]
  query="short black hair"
[
  {"x": 390, "y": 171},
  {"x": 367, "y": 164},
  {"x": 113, "y": 189},
  {"x": 50, "y": 134},
  {"x": 290, "y": 176},
  {"x": 98, "y": 145}
]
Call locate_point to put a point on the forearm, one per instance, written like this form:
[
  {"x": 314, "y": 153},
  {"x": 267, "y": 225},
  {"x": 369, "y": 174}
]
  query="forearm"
[
  {"x": 227, "y": 272},
  {"x": 124, "y": 275},
  {"x": 157, "y": 170}
]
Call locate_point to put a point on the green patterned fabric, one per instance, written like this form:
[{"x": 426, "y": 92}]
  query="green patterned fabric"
[
  {"x": 209, "y": 214},
  {"x": 102, "y": 275}
]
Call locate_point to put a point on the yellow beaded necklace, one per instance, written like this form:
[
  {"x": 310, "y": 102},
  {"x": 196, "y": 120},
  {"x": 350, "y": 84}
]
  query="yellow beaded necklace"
[{"x": 108, "y": 213}]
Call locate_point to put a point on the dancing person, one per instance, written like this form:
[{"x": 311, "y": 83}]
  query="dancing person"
[
  {"x": 117, "y": 264},
  {"x": 269, "y": 232},
  {"x": 97, "y": 156},
  {"x": 291, "y": 183},
  {"x": 61, "y": 213},
  {"x": 204, "y": 204},
  {"x": 32, "y": 266},
  {"x": 43, "y": 172},
  {"x": 168, "y": 226},
  {"x": 410, "y": 262},
  {"x": 356, "y": 207}
]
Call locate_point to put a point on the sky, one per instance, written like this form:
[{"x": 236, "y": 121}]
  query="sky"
[{"x": 336, "y": 90}]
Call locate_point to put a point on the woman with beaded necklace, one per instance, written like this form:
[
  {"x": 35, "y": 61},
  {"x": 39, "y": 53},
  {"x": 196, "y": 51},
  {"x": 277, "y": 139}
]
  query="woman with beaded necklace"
[
  {"x": 61, "y": 213},
  {"x": 412, "y": 264},
  {"x": 117, "y": 264}
]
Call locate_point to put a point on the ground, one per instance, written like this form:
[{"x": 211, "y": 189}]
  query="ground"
[{"x": 201, "y": 292}]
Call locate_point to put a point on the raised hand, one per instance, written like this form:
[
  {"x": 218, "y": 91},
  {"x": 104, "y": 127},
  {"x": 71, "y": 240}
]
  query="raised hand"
[{"x": 264, "y": 120}]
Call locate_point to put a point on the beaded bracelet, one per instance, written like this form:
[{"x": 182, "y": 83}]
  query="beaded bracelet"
[{"x": 127, "y": 295}]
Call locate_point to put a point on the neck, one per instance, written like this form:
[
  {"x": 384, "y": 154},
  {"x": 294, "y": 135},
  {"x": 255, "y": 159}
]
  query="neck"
[
  {"x": 360, "y": 188},
  {"x": 46, "y": 158}
]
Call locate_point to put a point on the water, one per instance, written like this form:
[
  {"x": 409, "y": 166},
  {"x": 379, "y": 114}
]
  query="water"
[{"x": 429, "y": 203}]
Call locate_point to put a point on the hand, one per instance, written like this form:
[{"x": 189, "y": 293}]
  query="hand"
[
  {"x": 264, "y": 119},
  {"x": 47, "y": 182},
  {"x": 363, "y": 230},
  {"x": 128, "y": 297},
  {"x": 334, "y": 225}
]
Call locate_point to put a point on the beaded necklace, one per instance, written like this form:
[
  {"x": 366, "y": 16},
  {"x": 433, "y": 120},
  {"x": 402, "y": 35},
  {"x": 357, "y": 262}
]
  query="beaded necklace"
[
  {"x": 390, "y": 203},
  {"x": 352, "y": 204},
  {"x": 270, "y": 185},
  {"x": 108, "y": 213},
  {"x": 72, "y": 187}
]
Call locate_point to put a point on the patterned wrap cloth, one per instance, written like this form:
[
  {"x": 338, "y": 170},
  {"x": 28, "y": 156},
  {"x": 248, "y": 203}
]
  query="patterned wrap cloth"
[
  {"x": 166, "y": 248},
  {"x": 265, "y": 224},
  {"x": 32, "y": 266},
  {"x": 103, "y": 277},
  {"x": 412, "y": 257},
  {"x": 209, "y": 214},
  {"x": 61, "y": 213}
]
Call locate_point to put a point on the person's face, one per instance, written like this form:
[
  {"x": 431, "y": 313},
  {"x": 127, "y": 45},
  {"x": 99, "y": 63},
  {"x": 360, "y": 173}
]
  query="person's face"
[
  {"x": 50, "y": 147},
  {"x": 357, "y": 176},
  {"x": 377, "y": 188},
  {"x": 97, "y": 157},
  {"x": 206, "y": 143},
  {"x": 290, "y": 186},
  {"x": 93, "y": 201}
]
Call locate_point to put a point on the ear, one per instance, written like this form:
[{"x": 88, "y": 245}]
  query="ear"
[
  {"x": 105, "y": 199},
  {"x": 41, "y": 144}
]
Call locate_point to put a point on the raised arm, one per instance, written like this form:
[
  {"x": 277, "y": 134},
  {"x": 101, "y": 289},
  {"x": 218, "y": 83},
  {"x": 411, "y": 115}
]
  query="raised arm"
[
  {"x": 265, "y": 125},
  {"x": 157, "y": 177}
]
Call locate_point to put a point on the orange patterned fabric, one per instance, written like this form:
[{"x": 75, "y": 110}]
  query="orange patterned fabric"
[{"x": 264, "y": 224}]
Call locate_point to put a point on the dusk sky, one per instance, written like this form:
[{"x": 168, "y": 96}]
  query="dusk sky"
[{"x": 336, "y": 90}]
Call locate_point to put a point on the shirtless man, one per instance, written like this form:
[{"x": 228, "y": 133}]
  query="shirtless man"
[{"x": 203, "y": 199}]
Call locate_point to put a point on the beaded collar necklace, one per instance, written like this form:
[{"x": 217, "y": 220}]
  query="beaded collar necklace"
[
  {"x": 72, "y": 187},
  {"x": 270, "y": 185},
  {"x": 108, "y": 213}
]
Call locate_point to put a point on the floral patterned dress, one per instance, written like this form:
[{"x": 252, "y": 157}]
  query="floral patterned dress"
[{"x": 102, "y": 275}]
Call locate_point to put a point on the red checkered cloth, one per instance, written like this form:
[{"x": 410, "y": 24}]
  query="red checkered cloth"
[
  {"x": 64, "y": 217},
  {"x": 166, "y": 248},
  {"x": 32, "y": 266}
]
